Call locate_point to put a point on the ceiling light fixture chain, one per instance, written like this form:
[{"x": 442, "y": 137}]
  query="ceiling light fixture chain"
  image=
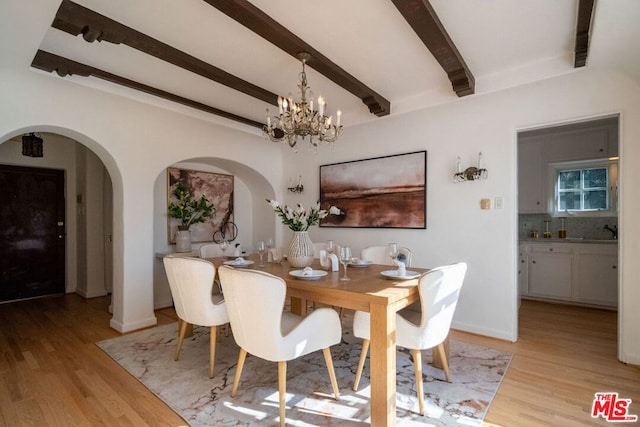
[{"x": 298, "y": 119}]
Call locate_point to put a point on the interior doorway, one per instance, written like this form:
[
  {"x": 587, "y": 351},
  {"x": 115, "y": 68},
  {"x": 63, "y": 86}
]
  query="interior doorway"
[{"x": 584, "y": 273}]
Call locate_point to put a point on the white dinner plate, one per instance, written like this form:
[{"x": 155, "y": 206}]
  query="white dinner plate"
[
  {"x": 235, "y": 263},
  {"x": 360, "y": 263},
  {"x": 315, "y": 274},
  {"x": 393, "y": 274}
]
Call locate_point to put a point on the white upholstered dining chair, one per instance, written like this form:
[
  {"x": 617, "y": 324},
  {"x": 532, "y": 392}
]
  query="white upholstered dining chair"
[
  {"x": 191, "y": 283},
  {"x": 378, "y": 255},
  {"x": 210, "y": 250},
  {"x": 439, "y": 291},
  {"x": 255, "y": 301}
]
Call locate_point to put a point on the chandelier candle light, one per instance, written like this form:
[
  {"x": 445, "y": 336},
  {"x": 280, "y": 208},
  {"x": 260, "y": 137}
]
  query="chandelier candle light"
[{"x": 299, "y": 119}]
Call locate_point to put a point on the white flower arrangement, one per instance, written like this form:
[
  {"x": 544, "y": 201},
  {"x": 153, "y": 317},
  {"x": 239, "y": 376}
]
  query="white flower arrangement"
[{"x": 299, "y": 219}]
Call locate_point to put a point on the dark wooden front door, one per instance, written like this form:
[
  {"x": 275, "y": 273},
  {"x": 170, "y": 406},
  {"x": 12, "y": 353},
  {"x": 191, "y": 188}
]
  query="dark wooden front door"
[{"x": 32, "y": 232}]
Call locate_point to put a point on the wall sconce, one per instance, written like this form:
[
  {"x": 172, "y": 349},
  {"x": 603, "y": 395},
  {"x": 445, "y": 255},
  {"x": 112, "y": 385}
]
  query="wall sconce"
[
  {"x": 298, "y": 188},
  {"x": 471, "y": 173},
  {"x": 31, "y": 145}
]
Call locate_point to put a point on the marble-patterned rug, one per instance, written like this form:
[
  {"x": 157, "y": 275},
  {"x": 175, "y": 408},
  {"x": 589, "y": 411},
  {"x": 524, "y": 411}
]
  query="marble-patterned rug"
[{"x": 185, "y": 385}]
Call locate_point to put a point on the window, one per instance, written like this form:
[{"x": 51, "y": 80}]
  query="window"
[{"x": 585, "y": 188}]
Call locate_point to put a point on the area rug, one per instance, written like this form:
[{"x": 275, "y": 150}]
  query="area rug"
[{"x": 185, "y": 386}]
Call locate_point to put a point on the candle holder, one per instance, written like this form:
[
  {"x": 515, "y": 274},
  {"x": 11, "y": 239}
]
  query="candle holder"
[
  {"x": 298, "y": 188},
  {"x": 471, "y": 173}
]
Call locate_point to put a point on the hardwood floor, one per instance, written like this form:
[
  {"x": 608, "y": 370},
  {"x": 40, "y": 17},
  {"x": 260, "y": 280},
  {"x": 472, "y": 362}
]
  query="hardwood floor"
[{"x": 52, "y": 374}]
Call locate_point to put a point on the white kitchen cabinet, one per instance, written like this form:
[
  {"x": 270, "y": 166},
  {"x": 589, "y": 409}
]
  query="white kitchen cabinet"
[
  {"x": 582, "y": 273},
  {"x": 550, "y": 271},
  {"x": 532, "y": 178},
  {"x": 598, "y": 274},
  {"x": 582, "y": 144}
]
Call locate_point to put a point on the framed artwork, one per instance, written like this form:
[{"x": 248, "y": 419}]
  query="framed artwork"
[
  {"x": 218, "y": 188},
  {"x": 381, "y": 192}
]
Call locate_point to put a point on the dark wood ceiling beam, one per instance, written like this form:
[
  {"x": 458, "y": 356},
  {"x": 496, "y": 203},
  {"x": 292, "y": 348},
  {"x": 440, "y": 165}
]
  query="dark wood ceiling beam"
[
  {"x": 262, "y": 24},
  {"x": 65, "y": 67},
  {"x": 583, "y": 30},
  {"x": 425, "y": 22},
  {"x": 76, "y": 19}
]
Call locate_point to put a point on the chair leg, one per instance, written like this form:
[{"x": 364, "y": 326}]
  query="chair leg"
[
  {"x": 445, "y": 362},
  {"x": 212, "y": 349},
  {"x": 417, "y": 364},
  {"x": 363, "y": 356},
  {"x": 236, "y": 380},
  {"x": 332, "y": 373},
  {"x": 282, "y": 390},
  {"x": 183, "y": 331}
]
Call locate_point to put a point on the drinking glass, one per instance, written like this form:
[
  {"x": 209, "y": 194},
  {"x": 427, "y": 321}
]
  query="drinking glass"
[
  {"x": 261, "y": 248},
  {"x": 392, "y": 251},
  {"x": 270, "y": 243},
  {"x": 223, "y": 246},
  {"x": 345, "y": 257},
  {"x": 330, "y": 247}
]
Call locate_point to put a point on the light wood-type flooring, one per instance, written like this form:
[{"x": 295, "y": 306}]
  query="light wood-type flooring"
[{"x": 52, "y": 374}]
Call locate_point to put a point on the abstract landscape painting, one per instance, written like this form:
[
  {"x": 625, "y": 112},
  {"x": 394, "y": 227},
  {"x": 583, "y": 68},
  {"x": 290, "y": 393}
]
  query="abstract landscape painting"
[{"x": 381, "y": 192}]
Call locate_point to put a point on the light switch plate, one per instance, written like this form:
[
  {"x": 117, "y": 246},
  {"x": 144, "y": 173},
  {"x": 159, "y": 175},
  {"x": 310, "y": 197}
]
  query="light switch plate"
[{"x": 498, "y": 202}]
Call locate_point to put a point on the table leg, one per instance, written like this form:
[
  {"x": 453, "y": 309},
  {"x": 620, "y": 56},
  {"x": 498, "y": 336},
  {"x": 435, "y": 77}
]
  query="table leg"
[
  {"x": 383, "y": 366},
  {"x": 299, "y": 306}
]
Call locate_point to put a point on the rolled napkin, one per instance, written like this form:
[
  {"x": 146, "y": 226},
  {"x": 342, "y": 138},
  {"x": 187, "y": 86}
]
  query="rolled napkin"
[
  {"x": 402, "y": 271},
  {"x": 335, "y": 266},
  {"x": 239, "y": 260},
  {"x": 275, "y": 255},
  {"x": 307, "y": 271}
]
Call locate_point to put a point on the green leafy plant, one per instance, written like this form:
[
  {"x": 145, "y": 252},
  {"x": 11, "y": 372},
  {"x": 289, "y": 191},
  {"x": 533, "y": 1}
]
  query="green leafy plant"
[{"x": 189, "y": 210}]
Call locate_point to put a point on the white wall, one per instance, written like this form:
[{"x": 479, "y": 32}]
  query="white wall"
[
  {"x": 136, "y": 143},
  {"x": 456, "y": 227}
]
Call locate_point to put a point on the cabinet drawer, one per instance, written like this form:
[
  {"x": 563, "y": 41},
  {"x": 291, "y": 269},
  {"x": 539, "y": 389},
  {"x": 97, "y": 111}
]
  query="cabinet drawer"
[{"x": 558, "y": 248}]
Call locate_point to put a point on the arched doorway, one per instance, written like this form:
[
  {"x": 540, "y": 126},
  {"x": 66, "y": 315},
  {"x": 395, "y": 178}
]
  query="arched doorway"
[
  {"x": 252, "y": 215},
  {"x": 84, "y": 229}
]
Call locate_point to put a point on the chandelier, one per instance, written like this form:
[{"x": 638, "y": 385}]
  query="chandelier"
[{"x": 299, "y": 119}]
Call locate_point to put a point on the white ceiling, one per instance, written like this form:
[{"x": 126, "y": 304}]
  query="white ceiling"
[{"x": 505, "y": 43}]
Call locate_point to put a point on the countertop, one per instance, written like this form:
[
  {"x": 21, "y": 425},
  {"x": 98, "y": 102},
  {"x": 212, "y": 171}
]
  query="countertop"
[{"x": 569, "y": 240}]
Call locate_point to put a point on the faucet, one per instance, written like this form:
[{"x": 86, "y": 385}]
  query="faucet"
[{"x": 613, "y": 231}]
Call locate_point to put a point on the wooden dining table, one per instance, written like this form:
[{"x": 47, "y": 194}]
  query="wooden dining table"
[{"x": 367, "y": 290}]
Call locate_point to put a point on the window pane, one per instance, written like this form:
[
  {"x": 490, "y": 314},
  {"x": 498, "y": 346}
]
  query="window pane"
[
  {"x": 569, "y": 200},
  {"x": 595, "y": 178},
  {"x": 569, "y": 180},
  {"x": 595, "y": 199}
]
